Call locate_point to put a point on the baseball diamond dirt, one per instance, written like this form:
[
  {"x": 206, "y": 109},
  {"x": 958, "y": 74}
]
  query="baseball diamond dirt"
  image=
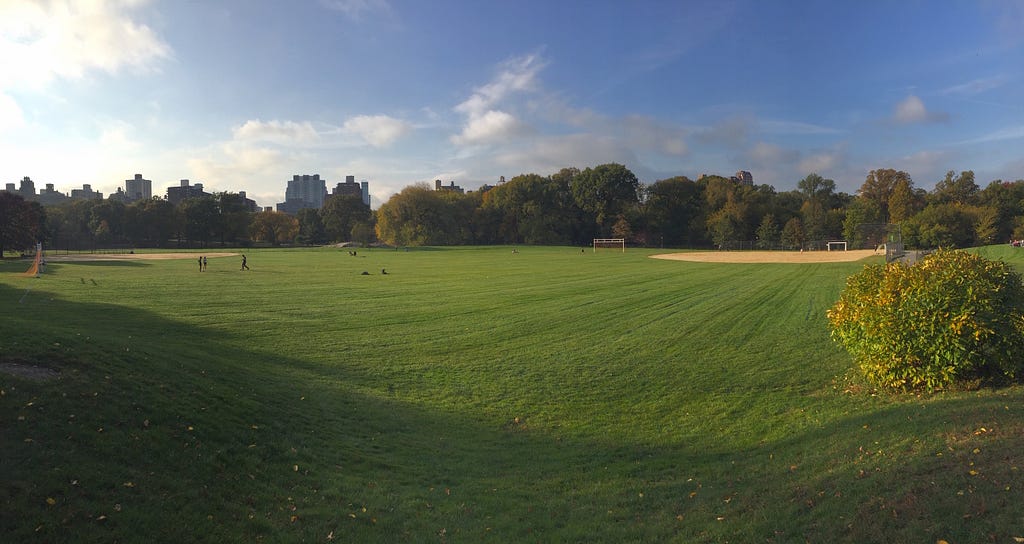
[{"x": 770, "y": 256}]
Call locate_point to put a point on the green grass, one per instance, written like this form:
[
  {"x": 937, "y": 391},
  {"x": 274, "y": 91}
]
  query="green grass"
[{"x": 475, "y": 395}]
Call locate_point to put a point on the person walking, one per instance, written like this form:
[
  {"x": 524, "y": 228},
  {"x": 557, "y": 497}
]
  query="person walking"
[{"x": 244, "y": 266}]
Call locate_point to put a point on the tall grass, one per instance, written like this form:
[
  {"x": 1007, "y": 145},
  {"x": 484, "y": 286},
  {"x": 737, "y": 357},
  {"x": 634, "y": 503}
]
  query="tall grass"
[{"x": 474, "y": 394}]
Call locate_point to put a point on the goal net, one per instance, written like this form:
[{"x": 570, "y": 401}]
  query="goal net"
[
  {"x": 839, "y": 245},
  {"x": 610, "y": 243},
  {"x": 37, "y": 263}
]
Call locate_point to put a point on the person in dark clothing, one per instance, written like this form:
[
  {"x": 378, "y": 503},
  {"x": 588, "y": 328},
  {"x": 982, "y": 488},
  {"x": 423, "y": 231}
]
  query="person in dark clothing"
[{"x": 244, "y": 266}]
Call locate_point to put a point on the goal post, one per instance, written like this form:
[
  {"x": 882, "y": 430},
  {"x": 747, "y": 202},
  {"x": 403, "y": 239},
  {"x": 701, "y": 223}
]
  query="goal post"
[
  {"x": 610, "y": 243},
  {"x": 840, "y": 245},
  {"x": 38, "y": 263}
]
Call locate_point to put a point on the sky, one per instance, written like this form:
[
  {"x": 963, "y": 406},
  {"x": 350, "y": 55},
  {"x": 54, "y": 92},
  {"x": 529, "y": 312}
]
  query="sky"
[{"x": 240, "y": 95}]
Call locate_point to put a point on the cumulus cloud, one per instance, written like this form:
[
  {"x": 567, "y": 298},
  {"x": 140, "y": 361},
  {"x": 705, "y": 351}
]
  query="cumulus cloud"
[
  {"x": 280, "y": 132},
  {"x": 912, "y": 110},
  {"x": 485, "y": 121},
  {"x": 69, "y": 39},
  {"x": 516, "y": 75},
  {"x": 490, "y": 126},
  {"x": 377, "y": 130}
]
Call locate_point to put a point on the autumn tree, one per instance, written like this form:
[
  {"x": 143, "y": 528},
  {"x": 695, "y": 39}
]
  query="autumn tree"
[
  {"x": 880, "y": 186},
  {"x": 274, "y": 227},
  {"x": 793, "y": 235},
  {"x": 817, "y": 192}
]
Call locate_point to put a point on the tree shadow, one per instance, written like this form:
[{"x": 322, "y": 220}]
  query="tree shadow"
[{"x": 155, "y": 426}]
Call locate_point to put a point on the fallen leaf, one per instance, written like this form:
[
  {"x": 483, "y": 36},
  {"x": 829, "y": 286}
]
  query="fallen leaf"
[{"x": 51, "y": 501}]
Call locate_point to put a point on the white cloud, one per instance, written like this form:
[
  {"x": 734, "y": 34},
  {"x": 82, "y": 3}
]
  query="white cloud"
[
  {"x": 377, "y": 130},
  {"x": 490, "y": 126},
  {"x": 517, "y": 75},
  {"x": 280, "y": 132},
  {"x": 975, "y": 86},
  {"x": 11, "y": 116},
  {"x": 485, "y": 123},
  {"x": 69, "y": 39},
  {"x": 912, "y": 110}
]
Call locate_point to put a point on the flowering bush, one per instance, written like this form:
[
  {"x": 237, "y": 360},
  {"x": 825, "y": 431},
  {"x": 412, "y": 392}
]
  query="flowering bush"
[{"x": 952, "y": 318}]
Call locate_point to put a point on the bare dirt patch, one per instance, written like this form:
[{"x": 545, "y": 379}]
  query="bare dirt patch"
[
  {"x": 28, "y": 371},
  {"x": 770, "y": 256},
  {"x": 134, "y": 256}
]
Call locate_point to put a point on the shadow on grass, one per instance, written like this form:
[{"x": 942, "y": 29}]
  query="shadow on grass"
[{"x": 155, "y": 427}]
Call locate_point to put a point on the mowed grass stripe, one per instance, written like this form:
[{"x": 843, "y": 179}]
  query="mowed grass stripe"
[{"x": 474, "y": 394}]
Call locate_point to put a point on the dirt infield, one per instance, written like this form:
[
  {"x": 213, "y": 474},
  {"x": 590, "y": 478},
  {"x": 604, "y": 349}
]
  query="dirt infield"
[
  {"x": 133, "y": 256},
  {"x": 770, "y": 256}
]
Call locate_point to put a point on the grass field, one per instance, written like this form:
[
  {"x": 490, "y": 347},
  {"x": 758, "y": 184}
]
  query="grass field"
[{"x": 473, "y": 394}]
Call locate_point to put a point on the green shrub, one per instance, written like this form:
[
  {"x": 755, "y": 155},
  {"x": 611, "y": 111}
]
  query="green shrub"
[{"x": 951, "y": 319}]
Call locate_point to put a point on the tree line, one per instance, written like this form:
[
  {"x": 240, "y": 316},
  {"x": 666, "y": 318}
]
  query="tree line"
[{"x": 569, "y": 207}]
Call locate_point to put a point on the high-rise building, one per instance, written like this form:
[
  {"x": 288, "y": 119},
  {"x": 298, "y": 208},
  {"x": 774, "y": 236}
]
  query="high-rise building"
[
  {"x": 86, "y": 193},
  {"x": 438, "y": 186},
  {"x": 138, "y": 188},
  {"x": 50, "y": 196},
  {"x": 27, "y": 188},
  {"x": 744, "y": 178},
  {"x": 305, "y": 191},
  {"x": 185, "y": 190}
]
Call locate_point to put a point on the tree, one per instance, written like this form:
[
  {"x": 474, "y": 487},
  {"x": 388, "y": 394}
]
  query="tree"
[
  {"x": 793, "y": 236},
  {"x": 21, "y": 223},
  {"x": 201, "y": 217},
  {"x": 150, "y": 222},
  {"x": 340, "y": 213},
  {"x": 605, "y": 192},
  {"x": 726, "y": 224},
  {"x": 880, "y": 186},
  {"x": 671, "y": 207},
  {"x": 234, "y": 218},
  {"x": 960, "y": 190},
  {"x": 903, "y": 204},
  {"x": 943, "y": 225},
  {"x": 768, "y": 232},
  {"x": 817, "y": 191},
  {"x": 274, "y": 227},
  {"x": 862, "y": 212},
  {"x": 311, "y": 227},
  {"x": 417, "y": 216},
  {"x": 533, "y": 210}
]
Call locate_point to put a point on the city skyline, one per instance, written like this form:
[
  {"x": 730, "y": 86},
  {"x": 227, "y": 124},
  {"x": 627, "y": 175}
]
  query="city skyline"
[{"x": 243, "y": 95}]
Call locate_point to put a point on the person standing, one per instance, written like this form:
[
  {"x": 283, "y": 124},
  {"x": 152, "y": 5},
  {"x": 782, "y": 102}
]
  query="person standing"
[
  {"x": 200, "y": 263},
  {"x": 244, "y": 266},
  {"x": 204, "y": 262}
]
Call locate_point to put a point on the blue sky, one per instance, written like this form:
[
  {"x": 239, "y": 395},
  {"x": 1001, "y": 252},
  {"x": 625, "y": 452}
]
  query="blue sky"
[{"x": 241, "y": 95}]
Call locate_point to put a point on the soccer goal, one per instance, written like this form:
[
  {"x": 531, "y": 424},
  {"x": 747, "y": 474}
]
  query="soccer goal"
[
  {"x": 840, "y": 245},
  {"x": 38, "y": 263},
  {"x": 612, "y": 243}
]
